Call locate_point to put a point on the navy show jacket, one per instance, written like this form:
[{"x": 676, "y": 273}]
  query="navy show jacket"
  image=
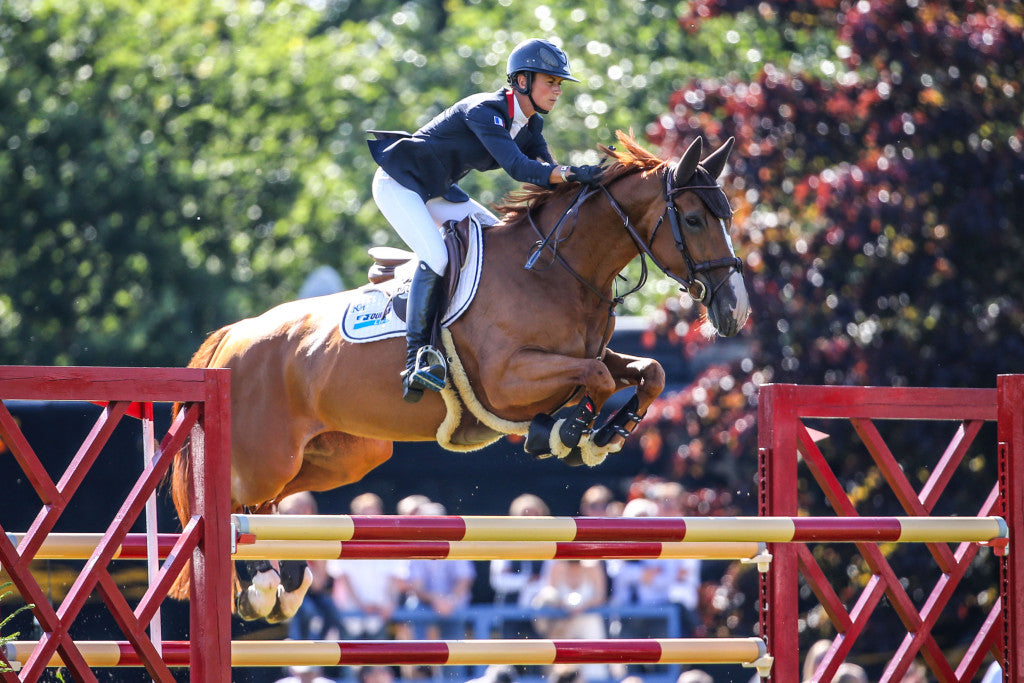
[{"x": 472, "y": 134}]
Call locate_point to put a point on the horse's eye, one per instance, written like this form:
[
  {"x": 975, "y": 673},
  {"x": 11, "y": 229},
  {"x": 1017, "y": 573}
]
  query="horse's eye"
[{"x": 693, "y": 221}]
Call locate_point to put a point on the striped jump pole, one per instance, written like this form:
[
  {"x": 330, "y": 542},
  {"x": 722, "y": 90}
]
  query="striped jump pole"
[
  {"x": 750, "y": 652},
  {"x": 80, "y": 546},
  {"x": 756, "y": 553},
  {"x": 991, "y": 530}
]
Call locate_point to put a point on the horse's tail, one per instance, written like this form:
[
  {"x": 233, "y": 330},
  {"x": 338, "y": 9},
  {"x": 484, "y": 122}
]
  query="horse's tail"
[{"x": 181, "y": 467}]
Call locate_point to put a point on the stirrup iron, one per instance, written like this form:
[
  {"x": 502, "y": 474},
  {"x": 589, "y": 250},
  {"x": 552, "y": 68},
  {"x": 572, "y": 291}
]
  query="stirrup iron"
[{"x": 430, "y": 371}]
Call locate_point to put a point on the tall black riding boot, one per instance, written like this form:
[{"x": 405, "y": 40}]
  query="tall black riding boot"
[{"x": 425, "y": 366}]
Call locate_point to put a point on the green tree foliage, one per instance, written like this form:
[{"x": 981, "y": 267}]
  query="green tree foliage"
[{"x": 169, "y": 167}]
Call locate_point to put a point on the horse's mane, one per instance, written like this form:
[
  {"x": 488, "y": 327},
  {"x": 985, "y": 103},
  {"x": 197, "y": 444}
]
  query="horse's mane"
[{"x": 632, "y": 158}]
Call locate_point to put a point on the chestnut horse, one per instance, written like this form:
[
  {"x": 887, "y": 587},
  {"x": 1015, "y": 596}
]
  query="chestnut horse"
[{"x": 311, "y": 411}]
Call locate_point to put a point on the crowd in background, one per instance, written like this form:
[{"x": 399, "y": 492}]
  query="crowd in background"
[{"x": 357, "y": 599}]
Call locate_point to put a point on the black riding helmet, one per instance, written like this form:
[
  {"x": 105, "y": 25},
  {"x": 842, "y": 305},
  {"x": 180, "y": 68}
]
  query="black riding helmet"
[{"x": 536, "y": 56}]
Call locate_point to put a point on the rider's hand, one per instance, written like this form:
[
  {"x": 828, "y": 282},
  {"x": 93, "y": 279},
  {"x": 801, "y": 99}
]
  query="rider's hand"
[{"x": 586, "y": 175}]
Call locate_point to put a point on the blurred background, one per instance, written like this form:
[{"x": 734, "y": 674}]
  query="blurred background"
[{"x": 170, "y": 167}]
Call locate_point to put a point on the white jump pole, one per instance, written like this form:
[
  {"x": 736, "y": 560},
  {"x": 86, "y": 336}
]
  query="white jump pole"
[{"x": 152, "y": 546}]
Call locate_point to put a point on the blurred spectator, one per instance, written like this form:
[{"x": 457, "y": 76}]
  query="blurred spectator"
[
  {"x": 684, "y": 590},
  {"x": 994, "y": 673},
  {"x": 646, "y": 583},
  {"x": 305, "y": 674},
  {"x": 595, "y": 501},
  {"x": 367, "y": 504},
  {"x": 850, "y": 673},
  {"x": 375, "y": 674},
  {"x": 567, "y": 673},
  {"x": 574, "y": 586},
  {"x": 498, "y": 673},
  {"x": 918, "y": 673},
  {"x": 515, "y": 582},
  {"x": 317, "y": 616},
  {"x": 599, "y": 501},
  {"x": 669, "y": 496},
  {"x": 373, "y": 588},
  {"x": 410, "y": 505},
  {"x": 695, "y": 676},
  {"x": 439, "y": 588},
  {"x": 815, "y": 654}
]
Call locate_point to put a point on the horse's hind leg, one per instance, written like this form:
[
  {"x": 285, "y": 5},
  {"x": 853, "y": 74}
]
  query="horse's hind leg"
[
  {"x": 274, "y": 594},
  {"x": 329, "y": 460}
]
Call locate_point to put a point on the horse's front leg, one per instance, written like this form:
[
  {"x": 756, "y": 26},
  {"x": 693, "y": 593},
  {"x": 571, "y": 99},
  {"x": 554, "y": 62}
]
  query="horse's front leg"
[
  {"x": 647, "y": 375},
  {"x": 533, "y": 380},
  {"x": 534, "y": 377}
]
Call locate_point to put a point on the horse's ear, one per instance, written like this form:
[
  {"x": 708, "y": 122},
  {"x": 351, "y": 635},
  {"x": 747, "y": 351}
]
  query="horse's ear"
[
  {"x": 716, "y": 160},
  {"x": 688, "y": 164}
]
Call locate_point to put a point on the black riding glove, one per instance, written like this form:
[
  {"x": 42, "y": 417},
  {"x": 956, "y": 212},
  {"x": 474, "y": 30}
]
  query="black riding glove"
[{"x": 586, "y": 175}]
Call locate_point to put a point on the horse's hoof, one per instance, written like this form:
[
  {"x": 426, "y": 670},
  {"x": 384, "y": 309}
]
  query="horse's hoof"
[
  {"x": 289, "y": 601},
  {"x": 256, "y": 601},
  {"x": 252, "y": 605},
  {"x": 293, "y": 575}
]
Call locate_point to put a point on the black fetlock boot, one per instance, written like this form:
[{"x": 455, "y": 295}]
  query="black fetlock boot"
[{"x": 425, "y": 366}]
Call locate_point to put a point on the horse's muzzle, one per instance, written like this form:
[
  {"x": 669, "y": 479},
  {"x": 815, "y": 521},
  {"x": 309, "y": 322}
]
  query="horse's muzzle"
[{"x": 729, "y": 307}]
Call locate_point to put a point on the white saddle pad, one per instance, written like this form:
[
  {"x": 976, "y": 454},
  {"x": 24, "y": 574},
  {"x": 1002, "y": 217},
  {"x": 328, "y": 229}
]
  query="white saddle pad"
[{"x": 375, "y": 312}]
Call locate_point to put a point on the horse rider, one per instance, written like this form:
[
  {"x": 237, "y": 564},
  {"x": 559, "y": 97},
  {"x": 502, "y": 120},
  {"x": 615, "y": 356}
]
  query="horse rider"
[{"x": 416, "y": 188}]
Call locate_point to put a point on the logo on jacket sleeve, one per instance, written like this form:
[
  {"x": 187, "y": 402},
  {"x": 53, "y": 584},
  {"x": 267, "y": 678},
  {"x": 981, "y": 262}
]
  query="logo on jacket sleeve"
[{"x": 497, "y": 120}]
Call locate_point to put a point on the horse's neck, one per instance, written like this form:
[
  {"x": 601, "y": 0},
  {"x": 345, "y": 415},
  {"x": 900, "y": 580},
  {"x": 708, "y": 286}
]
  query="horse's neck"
[{"x": 598, "y": 246}]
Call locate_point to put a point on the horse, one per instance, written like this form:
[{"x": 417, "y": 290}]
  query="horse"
[{"x": 311, "y": 411}]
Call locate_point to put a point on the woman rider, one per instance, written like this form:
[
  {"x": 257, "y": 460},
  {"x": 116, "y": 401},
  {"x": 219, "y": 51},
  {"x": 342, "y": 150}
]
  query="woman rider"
[{"x": 415, "y": 186}]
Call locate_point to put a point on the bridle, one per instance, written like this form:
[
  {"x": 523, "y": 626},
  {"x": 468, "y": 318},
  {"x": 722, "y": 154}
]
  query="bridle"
[
  {"x": 691, "y": 283},
  {"x": 693, "y": 286}
]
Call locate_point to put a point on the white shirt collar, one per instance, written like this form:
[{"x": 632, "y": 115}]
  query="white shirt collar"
[{"x": 519, "y": 119}]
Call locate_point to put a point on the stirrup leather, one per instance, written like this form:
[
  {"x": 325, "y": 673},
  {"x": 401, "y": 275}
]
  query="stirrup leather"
[{"x": 430, "y": 370}]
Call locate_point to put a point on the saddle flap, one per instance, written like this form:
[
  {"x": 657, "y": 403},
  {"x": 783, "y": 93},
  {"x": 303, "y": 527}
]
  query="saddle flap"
[{"x": 456, "y": 243}]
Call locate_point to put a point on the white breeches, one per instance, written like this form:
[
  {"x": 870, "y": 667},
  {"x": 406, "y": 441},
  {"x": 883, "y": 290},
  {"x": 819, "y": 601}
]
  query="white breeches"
[{"x": 417, "y": 222}]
